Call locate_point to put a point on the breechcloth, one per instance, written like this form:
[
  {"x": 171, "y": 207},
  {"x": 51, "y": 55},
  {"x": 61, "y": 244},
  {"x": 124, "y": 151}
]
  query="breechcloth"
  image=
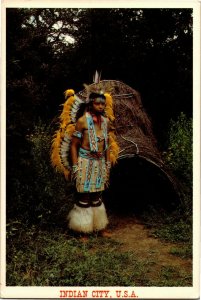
[{"x": 91, "y": 174}]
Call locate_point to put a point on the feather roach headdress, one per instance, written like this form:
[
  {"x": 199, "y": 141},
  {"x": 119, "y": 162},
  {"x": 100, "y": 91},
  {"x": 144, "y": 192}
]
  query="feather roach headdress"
[{"x": 60, "y": 157}]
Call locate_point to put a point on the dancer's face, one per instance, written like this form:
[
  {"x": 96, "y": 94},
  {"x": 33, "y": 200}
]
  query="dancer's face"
[{"x": 98, "y": 105}]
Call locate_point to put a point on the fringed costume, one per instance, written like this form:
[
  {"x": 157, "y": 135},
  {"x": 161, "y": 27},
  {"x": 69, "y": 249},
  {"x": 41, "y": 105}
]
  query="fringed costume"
[{"x": 90, "y": 174}]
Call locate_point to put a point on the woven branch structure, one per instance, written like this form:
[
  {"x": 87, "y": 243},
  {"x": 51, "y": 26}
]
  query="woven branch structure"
[{"x": 133, "y": 127}]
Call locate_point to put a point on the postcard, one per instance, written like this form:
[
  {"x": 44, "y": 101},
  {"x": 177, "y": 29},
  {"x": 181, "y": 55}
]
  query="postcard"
[{"x": 100, "y": 149}]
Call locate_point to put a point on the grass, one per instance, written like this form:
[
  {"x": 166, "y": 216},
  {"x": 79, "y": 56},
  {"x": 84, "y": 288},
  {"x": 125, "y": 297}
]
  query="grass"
[
  {"x": 172, "y": 277},
  {"x": 175, "y": 227},
  {"x": 179, "y": 232},
  {"x": 184, "y": 251},
  {"x": 38, "y": 257},
  {"x": 174, "y": 231},
  {"x": 45, "y": 259}
]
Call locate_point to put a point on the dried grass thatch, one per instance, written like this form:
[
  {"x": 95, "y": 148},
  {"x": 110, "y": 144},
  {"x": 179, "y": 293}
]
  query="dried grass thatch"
[{"x": 133, "y": 126}]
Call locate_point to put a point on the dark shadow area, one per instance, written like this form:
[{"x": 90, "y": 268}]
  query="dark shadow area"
[{"x": 136, "y": 185}]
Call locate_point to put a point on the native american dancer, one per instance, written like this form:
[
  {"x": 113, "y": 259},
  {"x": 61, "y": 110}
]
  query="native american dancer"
[{"x": 84, "y": 149}]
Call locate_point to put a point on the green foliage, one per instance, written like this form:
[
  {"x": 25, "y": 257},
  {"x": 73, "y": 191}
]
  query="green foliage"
[
  {"x": 41, "y": 258},
  {"x": 53, "y": 193},
  {"x": 56, "y": 259},
  {"x": 179, "y": 158},
  {"x": 182, "y": 251},
  {"x": 170, "y": 276},
  {"x": 42, "y": 63},
  {"x": 179, "y": 154},
  {"x": 171, "y": 227},
  {"x": 41, "y": 194},
  {"x": 179, "y": 231}
]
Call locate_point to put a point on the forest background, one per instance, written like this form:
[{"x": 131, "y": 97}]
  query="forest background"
[{"x": 50, "y": 50}]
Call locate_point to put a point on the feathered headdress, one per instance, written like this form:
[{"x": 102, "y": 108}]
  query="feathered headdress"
[{"x": 61, "y": 141}]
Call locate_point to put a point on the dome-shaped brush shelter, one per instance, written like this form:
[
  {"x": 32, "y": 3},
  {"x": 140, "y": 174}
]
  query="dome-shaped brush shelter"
[{"x": 140, "y": 172}]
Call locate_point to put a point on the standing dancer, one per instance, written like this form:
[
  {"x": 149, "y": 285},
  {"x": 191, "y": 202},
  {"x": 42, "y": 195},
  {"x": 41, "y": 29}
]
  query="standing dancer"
[{"x": 84, "y": 149}]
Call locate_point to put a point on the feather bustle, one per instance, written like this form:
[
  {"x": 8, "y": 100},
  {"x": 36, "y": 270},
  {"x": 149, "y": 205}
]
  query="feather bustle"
[{"x": 66, "y": 127}]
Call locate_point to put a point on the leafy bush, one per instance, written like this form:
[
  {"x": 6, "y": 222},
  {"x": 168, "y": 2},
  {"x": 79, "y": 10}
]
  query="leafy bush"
[
  {"x": 36, "y": 193},
  {"x": 53, "y": 193},
  {"x": 177, "y": 226},
  {"x": 179, "y": 154}
]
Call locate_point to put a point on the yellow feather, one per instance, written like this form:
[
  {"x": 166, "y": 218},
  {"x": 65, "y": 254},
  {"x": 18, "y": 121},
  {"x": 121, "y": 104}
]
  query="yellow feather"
[
  {"x": 109, "y": 114},
  {"x": 112, "y": 159},
  {"x": 65, "y": 119},
  {"x": 69, "y": 92},
  {"x": 70, "y": 100},
  {"x": 65, "y": 115},
  {"x": 109, "y": 107},
  {"x": 114, "y": 148},
  {"x": 56, "y": 160},
  {"x": 57, "y": 139},
  {"x": 65, "y": 126},
  {"x": 70, "y": 129},
  {"x": 66, "y": 174},
  {"x": 55, "y": 157},
  {"x": 109, "y": 101}
]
